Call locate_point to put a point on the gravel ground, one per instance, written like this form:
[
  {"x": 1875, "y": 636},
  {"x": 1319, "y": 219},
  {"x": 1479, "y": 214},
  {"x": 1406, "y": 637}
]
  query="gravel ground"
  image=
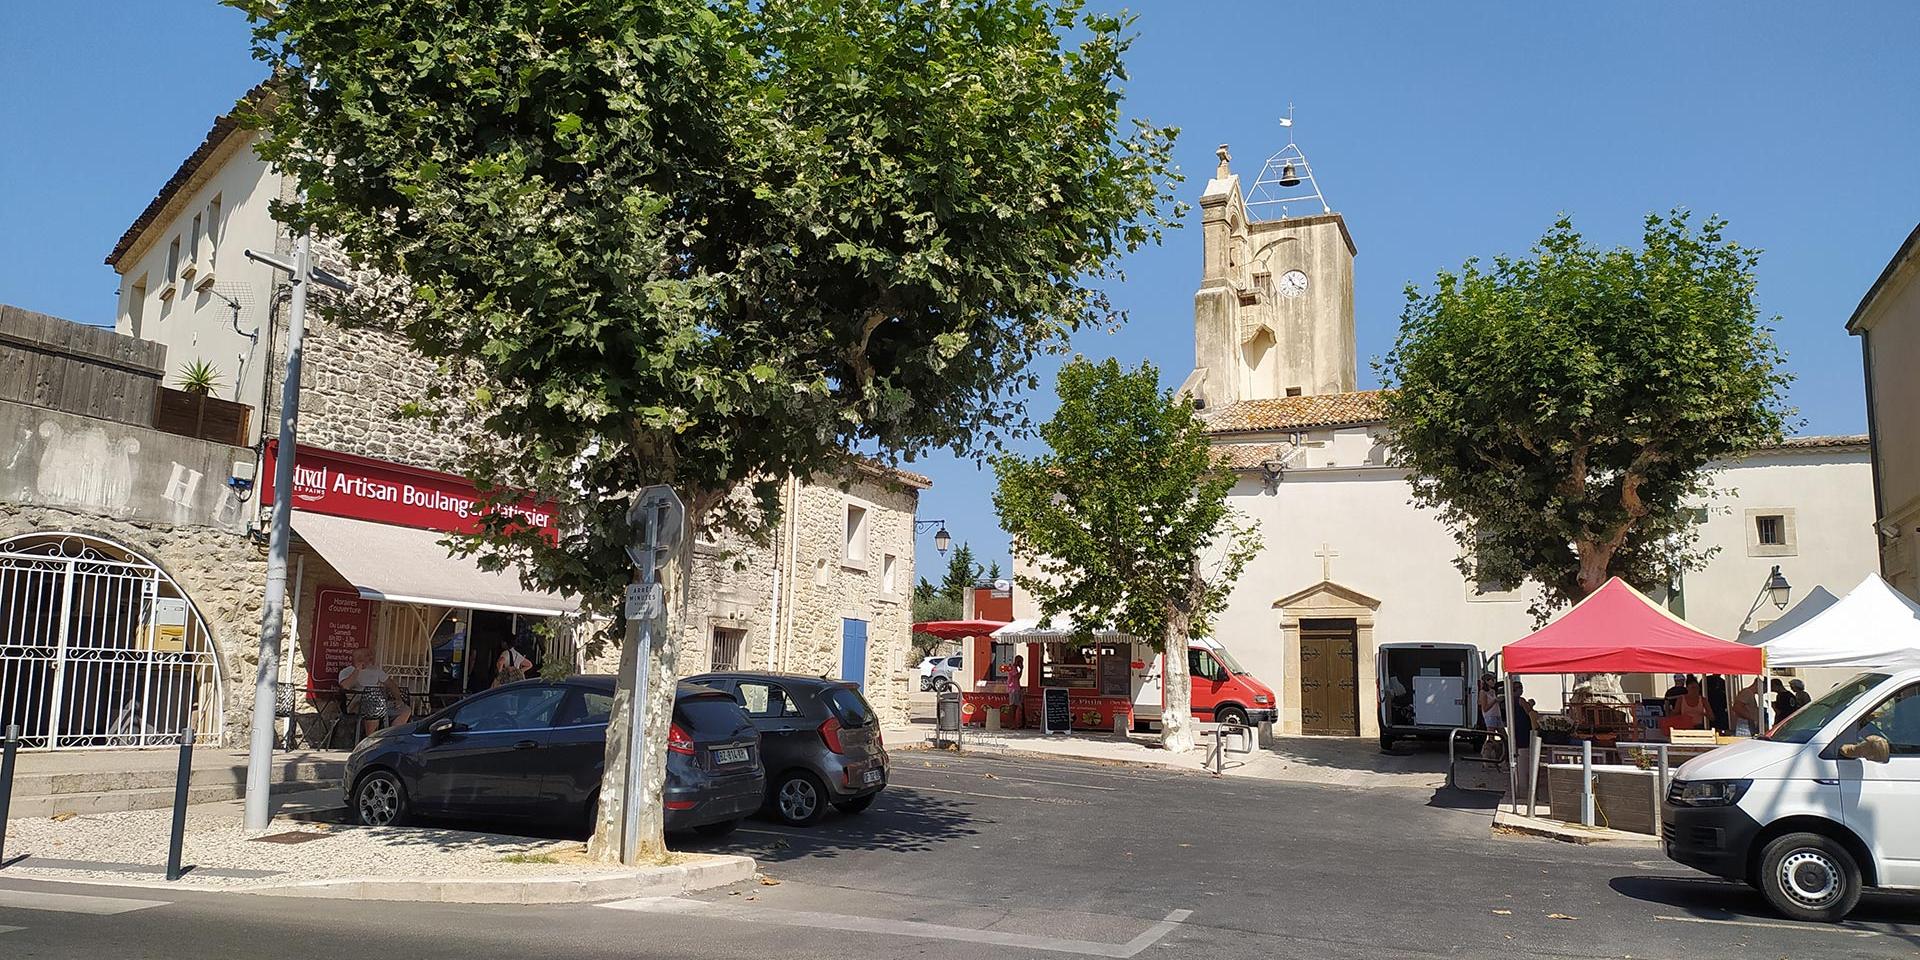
[{"x": 215, "y": 840}]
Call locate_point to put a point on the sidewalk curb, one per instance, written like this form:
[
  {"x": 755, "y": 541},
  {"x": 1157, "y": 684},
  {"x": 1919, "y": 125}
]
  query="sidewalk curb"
[
  {"x": 1507, "y": 824},
  {"x": 712, "y": 870},
  {"x": 997, "y": 750}
]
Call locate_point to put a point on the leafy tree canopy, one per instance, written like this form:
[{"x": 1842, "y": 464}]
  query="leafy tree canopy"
[
  {"x": 715, "y": 242},
  {"x": 1559, "y": 410}
]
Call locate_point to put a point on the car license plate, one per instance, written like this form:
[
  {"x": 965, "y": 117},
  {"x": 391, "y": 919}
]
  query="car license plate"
[
  {"x": 730, "y": 755},
  {"x": 870, "y": 778}
]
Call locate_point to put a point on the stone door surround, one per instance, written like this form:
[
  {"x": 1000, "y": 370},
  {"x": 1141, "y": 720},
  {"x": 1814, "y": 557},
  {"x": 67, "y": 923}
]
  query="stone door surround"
[{"x": 1328, "y": 600}]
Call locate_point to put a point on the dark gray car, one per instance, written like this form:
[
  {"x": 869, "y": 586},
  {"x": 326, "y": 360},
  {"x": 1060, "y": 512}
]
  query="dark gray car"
[
  {"x": 535, "y": 750},
  {"x": 819, "y": 738}
]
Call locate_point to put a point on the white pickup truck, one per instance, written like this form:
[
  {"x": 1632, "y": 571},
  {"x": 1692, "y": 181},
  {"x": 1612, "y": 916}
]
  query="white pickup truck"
[{"x": 1822, "y": 807}]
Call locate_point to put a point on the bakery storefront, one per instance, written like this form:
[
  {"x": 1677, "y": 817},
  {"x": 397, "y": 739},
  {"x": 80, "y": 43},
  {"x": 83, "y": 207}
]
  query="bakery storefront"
[{"x": 369, "y": 570}]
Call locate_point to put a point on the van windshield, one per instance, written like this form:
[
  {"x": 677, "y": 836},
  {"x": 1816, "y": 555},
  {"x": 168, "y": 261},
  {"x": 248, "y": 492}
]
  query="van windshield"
[
  {"x": 1807, "y": 721},
  {"x": 1226, "y": 659}
]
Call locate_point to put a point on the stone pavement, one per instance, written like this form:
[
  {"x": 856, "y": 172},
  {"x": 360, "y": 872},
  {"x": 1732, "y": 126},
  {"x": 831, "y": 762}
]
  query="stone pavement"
[
  {"x": 307, "y": 852},
  {"x": 1335, "y": 761}
]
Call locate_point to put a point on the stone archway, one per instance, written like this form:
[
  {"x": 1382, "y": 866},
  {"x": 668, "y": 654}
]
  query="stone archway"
[{"x": 1320, "y": 615}]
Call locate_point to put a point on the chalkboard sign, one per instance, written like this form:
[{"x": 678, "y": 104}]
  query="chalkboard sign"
[{"x": 1056, "y": 716}]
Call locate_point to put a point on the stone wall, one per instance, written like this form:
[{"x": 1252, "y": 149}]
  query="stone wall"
[
  {"x": 222, "y": 573},
  {"x": 354, "y": 382}
]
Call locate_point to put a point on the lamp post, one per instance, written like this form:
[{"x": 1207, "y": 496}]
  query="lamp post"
[
  {"x": 273, "y": 605},
  {"x": 941, "y": 538},
  {"x": 1778, "y": 589}
]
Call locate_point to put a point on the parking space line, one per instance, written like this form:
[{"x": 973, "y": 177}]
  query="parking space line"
[
  {"x": 904, "y": 928},
  {"x": 989, "y": 796},
  {"x": 6, "y": 929},
  {"x": 1852, "y": 931}
]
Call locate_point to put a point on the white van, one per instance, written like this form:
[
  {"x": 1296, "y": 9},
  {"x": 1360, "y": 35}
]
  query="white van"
[{"x": 1821, "y": 807}]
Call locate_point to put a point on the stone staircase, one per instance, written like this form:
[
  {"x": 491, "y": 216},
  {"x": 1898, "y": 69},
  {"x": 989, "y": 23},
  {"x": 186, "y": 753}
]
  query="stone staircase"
[{"x": 84, "y": 782}]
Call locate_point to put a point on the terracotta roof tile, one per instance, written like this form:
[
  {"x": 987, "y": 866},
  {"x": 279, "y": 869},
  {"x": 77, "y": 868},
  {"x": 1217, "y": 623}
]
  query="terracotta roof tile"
[
  {"x": 1837, "y": 440},
  {"x": 1318, "y": 411},
  {"x": 1249, "y": 456},
  {"x": 224, "y": 126}
]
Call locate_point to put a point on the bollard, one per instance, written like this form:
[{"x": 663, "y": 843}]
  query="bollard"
[
  {"x": 180, "y": 784},
  {"x": 1586, "y": 783},
  {"x": 7, "y": 750}
]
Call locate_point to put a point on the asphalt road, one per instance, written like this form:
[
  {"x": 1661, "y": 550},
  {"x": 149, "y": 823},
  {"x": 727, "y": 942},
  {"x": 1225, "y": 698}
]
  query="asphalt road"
[{"x": 975, "y": 857}]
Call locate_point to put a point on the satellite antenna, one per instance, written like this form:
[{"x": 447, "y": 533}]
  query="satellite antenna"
[{"x": 1286, "y": 178}]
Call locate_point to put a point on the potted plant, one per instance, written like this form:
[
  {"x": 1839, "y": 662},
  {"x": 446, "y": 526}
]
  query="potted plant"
[{"x": 199, "y": 377}]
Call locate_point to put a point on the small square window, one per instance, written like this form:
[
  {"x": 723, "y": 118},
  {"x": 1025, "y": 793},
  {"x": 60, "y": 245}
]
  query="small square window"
[
  {"x": 1293, "y": 391},
  {"x": 173, "y": 259},
  {"x": 856, "y": 543},
  {"x": 888, "y": 584},
  {"x": 1771, "y": 529},
  {"x": 1771, "y": 533}
]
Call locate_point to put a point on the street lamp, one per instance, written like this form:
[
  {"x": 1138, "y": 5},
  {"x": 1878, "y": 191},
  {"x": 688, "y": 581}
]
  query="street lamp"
[
  {"x": 941, "y": 538},
  {"x": 1778, "y": 589}
]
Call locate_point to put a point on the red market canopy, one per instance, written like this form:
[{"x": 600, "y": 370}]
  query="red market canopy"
[
  {"x": 958, "y": 629},
  {"x": 1616, "y": 629}
]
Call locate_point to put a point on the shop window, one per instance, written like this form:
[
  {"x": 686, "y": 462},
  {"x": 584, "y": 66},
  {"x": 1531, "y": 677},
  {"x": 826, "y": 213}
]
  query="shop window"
[
  {"x": 1771, "y": 532},
  {"x": 856, "y": 544},
  {"x": 725, "y": 654},
  {"x": 1204, "y": 667}
]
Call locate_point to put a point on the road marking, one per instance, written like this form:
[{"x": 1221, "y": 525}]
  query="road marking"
[
  {"x": 7, "y": 929},
  {"x": 1852, "y": 931},
  {"x": 73, "y": 903},
  {"x": 905, "y": 928}
]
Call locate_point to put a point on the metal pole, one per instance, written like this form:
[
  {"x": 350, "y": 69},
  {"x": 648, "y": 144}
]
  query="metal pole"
[
  {"x": 1533, "y": 775},
  {"x": 1513, "y": 751},
  {"x": 642, "y": 637},
  {"x": 7, "y": 750},
  {"x": 1586, "y": 783},
  {"x": 180, "y": 784},
  {"x": 273, "y": 606}
]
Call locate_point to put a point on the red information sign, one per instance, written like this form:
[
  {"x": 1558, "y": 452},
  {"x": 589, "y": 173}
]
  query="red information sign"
[
  {"x": 344, "y": 485},
  {"x": 342, "y": 623}
]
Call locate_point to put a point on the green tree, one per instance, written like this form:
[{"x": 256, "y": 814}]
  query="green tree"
[
  {"x": 963, "y": 573},
  {"x": 1125, "y": 518},
  {"x": 993, "y": 571},
  {"x": 712, "y": 243},
  {"x": 1560, "y": 410}
]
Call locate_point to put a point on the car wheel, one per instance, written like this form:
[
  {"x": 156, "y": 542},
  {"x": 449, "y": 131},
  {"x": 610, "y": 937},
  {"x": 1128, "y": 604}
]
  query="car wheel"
[
  {"x": 720, "y": 829},
  {"x": 1230, "y": 715},
  {"x": 799, "y": 798},
  {"x": 1807, "y": 876},
  {"x": 857, "y": 804},
  {"x": 942, "y": 684},
  {"x": 380, "y": 800}
]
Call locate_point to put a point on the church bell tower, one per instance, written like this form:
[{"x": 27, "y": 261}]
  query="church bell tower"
[{"x": 1274, "y": 313}]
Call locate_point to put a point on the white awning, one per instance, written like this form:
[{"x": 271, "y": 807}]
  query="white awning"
[{"x": 407, "y": 565}]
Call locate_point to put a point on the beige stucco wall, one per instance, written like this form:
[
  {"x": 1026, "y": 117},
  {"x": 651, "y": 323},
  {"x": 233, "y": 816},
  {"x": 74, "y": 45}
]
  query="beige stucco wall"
[
  {"x": 195, "y": 324},
  {"x": 1891, "y": 337}
]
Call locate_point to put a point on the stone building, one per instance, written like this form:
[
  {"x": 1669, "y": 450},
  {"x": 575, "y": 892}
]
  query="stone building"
[
  {"x": 1348, "y": 562},
  {"x": 1887, "y": 321},
  {"x": 375, "y": 494}
]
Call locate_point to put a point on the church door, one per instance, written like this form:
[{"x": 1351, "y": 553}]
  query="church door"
[{"x": 1329, "y": 678}]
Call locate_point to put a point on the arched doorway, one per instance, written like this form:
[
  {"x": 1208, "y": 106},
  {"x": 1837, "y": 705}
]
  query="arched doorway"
[{"x": 99, "y": 647}]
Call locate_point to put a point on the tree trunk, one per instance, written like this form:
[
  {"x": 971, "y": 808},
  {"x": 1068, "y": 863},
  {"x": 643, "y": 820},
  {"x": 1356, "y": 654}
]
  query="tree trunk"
[
  {"x": 608, "y": 825},
  {"x": 1595, "y": 559},
  {"x": 1176, "y": 684}
]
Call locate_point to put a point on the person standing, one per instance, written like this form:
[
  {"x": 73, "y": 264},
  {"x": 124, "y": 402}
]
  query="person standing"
[
  {"x": 1800, "y": 696},
  {"x": 511, "y": 665},
  {"x": 1015, "y": 694},
  {"x": 381, "y": 699},
  {"x": 1784, "y": 703},
  {"x": 1717, "y": 702}
]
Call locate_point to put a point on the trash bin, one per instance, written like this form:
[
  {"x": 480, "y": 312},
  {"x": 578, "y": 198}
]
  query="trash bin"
[{"x": 946, "y": 717}]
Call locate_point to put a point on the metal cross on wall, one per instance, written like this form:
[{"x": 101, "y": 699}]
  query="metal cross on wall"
[{"x": 1326, "y": 553}]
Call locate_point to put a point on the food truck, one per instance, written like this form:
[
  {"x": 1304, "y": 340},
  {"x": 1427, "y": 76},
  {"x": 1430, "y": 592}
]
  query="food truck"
[{"x": 1111, "y": 681}]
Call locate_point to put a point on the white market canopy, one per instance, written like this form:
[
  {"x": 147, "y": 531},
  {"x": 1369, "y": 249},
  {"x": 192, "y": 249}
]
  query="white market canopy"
[
  {"x": 1873, "y": 626},
  {"x": 1030, "y": 631},
  {"x": 1812, "y": 605}
]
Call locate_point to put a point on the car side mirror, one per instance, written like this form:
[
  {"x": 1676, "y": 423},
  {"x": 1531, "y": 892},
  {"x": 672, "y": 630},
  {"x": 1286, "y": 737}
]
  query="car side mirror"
[
  {"x": 445, "y": 727},
  {"x": 1874, "y": 748}
]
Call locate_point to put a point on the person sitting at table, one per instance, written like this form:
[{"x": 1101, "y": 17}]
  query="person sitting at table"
[
  {"x": 1691, "y": 711},
  {"x": 381, "y": 699}
]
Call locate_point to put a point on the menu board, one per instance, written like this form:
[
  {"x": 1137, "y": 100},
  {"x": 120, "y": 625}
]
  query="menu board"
[
  {"x": 1116, "y": 675},
  {"x": 1057, "y": 713},
  {"x": 342, "y": 623}
]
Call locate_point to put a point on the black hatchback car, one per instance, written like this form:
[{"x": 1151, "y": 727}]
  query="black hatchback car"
[
  {"x": 534, "y": 751},
  {"x": 820, "y": 739}
]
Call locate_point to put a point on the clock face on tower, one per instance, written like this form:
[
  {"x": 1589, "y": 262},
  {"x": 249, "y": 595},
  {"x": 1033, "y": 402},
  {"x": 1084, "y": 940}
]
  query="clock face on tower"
[{"x": 1293, "y": 283}]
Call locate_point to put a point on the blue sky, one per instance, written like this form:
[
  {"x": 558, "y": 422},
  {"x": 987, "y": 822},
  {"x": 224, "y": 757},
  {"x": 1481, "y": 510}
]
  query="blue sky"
[{"x": 1441, "y": 131}]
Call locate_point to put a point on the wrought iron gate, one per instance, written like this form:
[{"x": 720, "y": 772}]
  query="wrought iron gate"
[{"x": 100, "y": 648}]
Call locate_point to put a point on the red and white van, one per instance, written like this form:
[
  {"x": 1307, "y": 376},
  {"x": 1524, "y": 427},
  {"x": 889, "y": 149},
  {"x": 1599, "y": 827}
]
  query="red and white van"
[{"x": 1223, "y": 690}]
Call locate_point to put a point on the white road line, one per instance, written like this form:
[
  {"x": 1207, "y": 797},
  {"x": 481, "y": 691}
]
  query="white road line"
[
  {"x": 905, "y": 928},
  {"x": 1057, "y": 783},
  {"x": 989, "y": 796},
  {"x": 7, "y": 929},
  {"x": 1810, "y": 928},
  {"x": 73, "y": 903}
]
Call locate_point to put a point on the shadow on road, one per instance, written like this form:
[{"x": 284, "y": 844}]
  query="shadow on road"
[
  {"x": 1453, "y": 798},
  {"x": 901, "y": 821},
  {"x": 1704, "y": 898}
]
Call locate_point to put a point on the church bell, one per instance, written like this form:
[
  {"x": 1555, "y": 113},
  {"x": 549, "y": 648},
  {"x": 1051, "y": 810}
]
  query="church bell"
[{"x": 1288, "y": 178}]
